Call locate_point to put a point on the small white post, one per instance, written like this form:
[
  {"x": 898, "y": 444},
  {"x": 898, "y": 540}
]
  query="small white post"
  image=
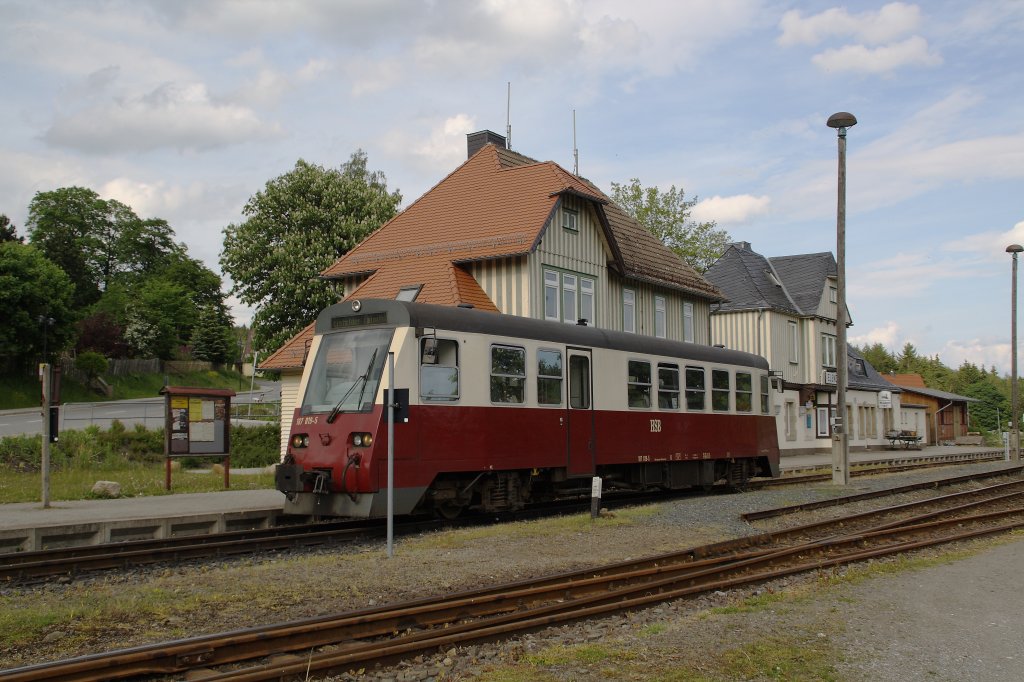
[
  {"x": 595, "y": 497},
  {"x": 390, "y": 407}
]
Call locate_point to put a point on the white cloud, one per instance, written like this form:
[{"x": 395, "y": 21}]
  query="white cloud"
[
  {"x": 734, "y": 210},
  {"x": 913, "y": 51},
  {"x": 156, "y": 199},
  {"x": 890, "y": 22},
  {"x": 890, "y": 336},
  {"x": 440, "y": 150},
  {"x": 983, "y": 353},
  {"x": 171, "y": 116},
  {"x": 908, "y": 274},
  {"x": 990, "y": 244}
]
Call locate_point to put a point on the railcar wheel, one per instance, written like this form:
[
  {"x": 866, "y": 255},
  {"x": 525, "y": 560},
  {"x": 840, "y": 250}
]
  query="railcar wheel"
[{"x": 449, "y": 510}]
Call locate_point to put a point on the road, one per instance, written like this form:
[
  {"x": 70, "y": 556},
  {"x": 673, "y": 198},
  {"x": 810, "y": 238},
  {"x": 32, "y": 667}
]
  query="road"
[{"x": 148, "y": 411}]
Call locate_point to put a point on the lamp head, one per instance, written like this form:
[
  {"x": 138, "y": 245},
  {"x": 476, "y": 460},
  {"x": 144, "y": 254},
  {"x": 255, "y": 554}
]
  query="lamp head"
[
  {"x": 842, "y": 119},
  {"x": 1014, "y": 249}
]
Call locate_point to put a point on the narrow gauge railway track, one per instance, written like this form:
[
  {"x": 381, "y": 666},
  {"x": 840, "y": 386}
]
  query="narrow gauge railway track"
[
  {"x": 27, "y": 567},
  {"x": 359, "y": 638}
]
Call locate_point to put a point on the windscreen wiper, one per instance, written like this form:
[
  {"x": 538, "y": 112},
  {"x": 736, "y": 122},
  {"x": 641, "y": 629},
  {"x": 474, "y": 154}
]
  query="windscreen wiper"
[{"x": 361, "y": 380}]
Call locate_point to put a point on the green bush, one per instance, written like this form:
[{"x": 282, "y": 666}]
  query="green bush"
[
  {"x": 91, "y": 364},
  {"x": 251, "y": 446}
]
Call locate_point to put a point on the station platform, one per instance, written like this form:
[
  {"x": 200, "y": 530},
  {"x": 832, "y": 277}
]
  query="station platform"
[{"x": 27, "y": 526}]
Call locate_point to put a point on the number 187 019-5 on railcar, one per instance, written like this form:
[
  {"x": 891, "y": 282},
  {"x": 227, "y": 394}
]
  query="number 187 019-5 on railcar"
[{"x": 496, "y": 411}]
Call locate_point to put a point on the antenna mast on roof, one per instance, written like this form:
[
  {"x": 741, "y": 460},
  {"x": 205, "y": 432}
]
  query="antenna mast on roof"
[
  {"x": 508, "y": 118},
  {"x": 575, "y": 151}
]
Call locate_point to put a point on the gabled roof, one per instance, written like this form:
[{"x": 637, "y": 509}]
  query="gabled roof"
[
  {"x": 749, "y": 282},
  {"x": 789, "y": 284},
  {"x": 496, "y": 205},
  {"x": 805, "y": 276}
]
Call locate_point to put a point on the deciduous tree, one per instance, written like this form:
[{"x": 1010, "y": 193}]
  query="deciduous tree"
[
  {"x": 297, "y": 226},
  {"x": 35, "y": 305},
  {"x": 667, "y": 215}
]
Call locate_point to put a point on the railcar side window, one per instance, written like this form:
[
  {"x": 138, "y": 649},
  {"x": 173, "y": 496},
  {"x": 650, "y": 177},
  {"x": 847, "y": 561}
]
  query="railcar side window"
[
  {"x": 720, "y": 390},
  {"x": 695, "y": 389},
  {"x": 765, "y": 395},
  {"x": 508, "y": 374},
  {"x": 439, "y": 369},
  {"x": 639, "y": 384},
  {"x": 668, "y": 387},
  {"x": 549, "y": 377},
  {"x": 744, "y": 392}
]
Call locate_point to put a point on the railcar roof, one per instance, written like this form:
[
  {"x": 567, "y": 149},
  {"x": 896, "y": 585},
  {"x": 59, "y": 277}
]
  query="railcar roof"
[{"x": 449, "y": 318}]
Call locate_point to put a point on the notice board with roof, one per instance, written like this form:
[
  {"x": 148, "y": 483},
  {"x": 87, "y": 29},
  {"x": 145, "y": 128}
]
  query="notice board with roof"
[{"x": 197, "y": 423}]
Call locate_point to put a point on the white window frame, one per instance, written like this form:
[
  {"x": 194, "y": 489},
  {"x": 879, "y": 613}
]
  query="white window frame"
[
  {"x": 587, "y": 300},
  {"x": 551, "y": 283},
  {"x": 629, "y": 311},
  {"x": 794, "y": 343},
  {"x": 660, "y": 318},
  {"x": 833, "y": 295},
  {"x": 828, "y": 350},
  {"x": 688, "y": 322},
  {"x": 570, "y": 220},
  {"x": 559, "y": 283}
]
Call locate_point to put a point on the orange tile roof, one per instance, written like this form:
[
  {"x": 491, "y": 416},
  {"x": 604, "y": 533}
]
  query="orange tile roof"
[{"x": 292, "y": 354}]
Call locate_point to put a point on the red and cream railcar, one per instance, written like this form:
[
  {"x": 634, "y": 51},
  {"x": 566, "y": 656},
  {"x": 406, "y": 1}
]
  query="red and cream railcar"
[{"x": 500, "y": 410}]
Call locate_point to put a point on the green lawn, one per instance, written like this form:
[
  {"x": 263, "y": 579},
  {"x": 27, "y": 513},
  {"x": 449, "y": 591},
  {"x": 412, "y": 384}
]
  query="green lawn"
[{"x": 136, "y": 479}]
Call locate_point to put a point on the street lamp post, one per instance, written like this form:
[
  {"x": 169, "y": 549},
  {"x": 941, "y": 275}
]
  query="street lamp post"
[
  {"x": 840, "y": 436},
  {"x": 1014, "y": 249}
]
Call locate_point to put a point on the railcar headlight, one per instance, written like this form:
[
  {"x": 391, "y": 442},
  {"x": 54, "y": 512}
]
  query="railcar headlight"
[
  {"x": 300, "y": 440},
  {"x": 362, "y": 440}
]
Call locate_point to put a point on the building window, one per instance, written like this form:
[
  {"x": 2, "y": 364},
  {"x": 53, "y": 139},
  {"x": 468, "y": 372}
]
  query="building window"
[
  {"x": 744, "y": 392},
  {"x": 832, "y": 295},
  {"x": 439, "y": 369},
  {"x": 668, "y": 387},
  {"x": 824, "y": 427},
  {"x": 790, "y": 420},
  {"x": 587, "y": 300},
  {"x": 551, "y": 310},
  {"x": 720, "y": 390},
  {"x": 688, "y": 322},
  {"x": 549, "y": 377},
  {"x": 828, "y": 350},
  {"x": 568, "y": 297},
  {"x": 639, "y": 384},
  {"x": 766, "y": 395},
  {"x": 794, "y": 343},
  {"x": 659, "y": 316},
  {"x": 629, "y": 311},
  {"x": 508, "y": 374},
  {"x": 695, "y": 388},
  {"x": 570, "y": 220},
  {"x": 409, "y": 293}
]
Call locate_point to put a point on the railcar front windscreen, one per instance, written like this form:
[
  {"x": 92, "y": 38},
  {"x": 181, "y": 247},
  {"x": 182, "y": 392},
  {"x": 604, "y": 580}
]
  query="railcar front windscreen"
[{"x": 347, "y": 371}]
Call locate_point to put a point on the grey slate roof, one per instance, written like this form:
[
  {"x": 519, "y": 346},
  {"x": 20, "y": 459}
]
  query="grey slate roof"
[
  {"x": 789, "y": 284},
  {"x": 861, "y": 375},
  {"x": 804, "y": 277}
]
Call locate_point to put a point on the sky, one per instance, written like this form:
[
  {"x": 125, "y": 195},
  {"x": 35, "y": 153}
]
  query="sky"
[{"x": 184, "y": 109}]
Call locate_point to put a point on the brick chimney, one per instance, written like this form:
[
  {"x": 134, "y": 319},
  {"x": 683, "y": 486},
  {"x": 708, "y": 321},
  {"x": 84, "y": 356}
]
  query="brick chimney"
[{"x": 476, "y": 141}]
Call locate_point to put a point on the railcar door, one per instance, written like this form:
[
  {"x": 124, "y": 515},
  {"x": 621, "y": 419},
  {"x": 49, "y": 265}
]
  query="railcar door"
[{"x": 580, "y": 413}]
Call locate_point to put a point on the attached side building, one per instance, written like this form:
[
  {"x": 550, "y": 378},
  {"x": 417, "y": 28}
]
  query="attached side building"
[{"x": 785, "y": 310}]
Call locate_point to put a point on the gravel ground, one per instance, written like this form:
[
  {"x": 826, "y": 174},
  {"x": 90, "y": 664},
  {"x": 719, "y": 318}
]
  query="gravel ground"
[{"x": 895, "y": 627}]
